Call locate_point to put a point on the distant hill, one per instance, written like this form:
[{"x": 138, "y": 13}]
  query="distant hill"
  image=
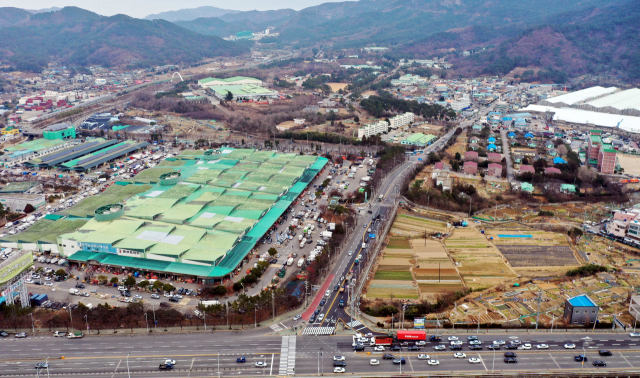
[
  {"x": 593, "y": 41},
  {"x": 78, "y": 37},
  {"x": 214, "y": 26},
  {"x": 13, "y": 16},
  {"x": 34, "y": 11},
  {"x": 190, "y": 14}
]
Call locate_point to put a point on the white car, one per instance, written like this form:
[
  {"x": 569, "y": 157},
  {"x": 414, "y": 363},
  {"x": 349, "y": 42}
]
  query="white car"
[
  {"x": 48, "y": 284},
  {"x": 320, "y": 317},
  {"x": 569, "y": 346},
  {"x": 297, "y": 317},
  {"x": 456, "y": 342},
  {"x": 138, "y": 296},
  {"x": 451, "y": 338},
  {"x": 634, "y": 334},
  {"x": 339, "y": 370},
  {"x": 328, "y": 293},
  {"x": 423, "y": 356},
  {"x": 168, "y": 295},
  {"x": 542, "y": 346},
  {"x": 47, "y": 278},
  {"x": 362, "y": 339},
  {"x": 421, "y": 343},
  {"x": 525, "y": 346},
  {"x": 260, "y": 364},
  {"x": 379, "y": 348},
  {"x": 439, "y": 347},
  {"x": 339, "y": 358},
  {"x": 374, "y": 362},
  {"x": 169, "y": 362},
  {"x": 474, "y": 360},
  {"x": 350, "y": 253},
  {"x": 475, "y": 342},
  {"x": 499, "y": 342},
  {"x": 433, "y": 362},
  {"x": 459, "y": 355}
]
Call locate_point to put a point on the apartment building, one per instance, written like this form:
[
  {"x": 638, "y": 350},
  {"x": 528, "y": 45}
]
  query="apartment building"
[
  {"x": 607, "y": 160},
  {"x": 401, "y": 120},
  {"x": 373, "y": 129}
]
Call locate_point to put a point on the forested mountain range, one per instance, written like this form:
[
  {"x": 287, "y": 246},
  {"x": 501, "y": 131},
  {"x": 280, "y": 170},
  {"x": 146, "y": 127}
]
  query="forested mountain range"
[{"x": 78, "y": 37}]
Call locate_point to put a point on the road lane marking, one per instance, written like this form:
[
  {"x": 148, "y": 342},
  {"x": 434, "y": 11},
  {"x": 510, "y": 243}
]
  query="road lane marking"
[
  {"x": 271, "y": 369},
  {"x": 554, "y": 360},
  {"x": 625, "y": 358},
  {"x": 482, "y": 360},
  {"x": 114, "y": 372}
]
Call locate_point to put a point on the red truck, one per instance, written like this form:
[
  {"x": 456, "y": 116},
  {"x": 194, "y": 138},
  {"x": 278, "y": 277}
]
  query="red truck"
[{"x": 383, "y": 341}]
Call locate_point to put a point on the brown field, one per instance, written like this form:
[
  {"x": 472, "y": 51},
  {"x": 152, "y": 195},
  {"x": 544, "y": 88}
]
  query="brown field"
[
  {"x": 524, "y": 256},
  {"x": 631, "y": 164},
  {"x": 432, "y": 255},
  {"x": 433, "y": 289},
  {"x": 398, "y": 242},
  {"x": 459, "y": 146},
  {"x": 538, "y": 237},
  {"x": 476, "y": 257},
  {"x": 414, "y": 227},
  {"x": 395, "y": 261},
  {"x": 398, "y": 251}
]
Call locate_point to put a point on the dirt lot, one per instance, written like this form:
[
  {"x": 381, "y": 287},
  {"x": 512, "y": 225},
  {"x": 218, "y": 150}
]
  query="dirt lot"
[
  {"x": 337, "y": 86},
  {"x": 630, "y": 163},
  {"x": 459, "y": 146},
  {"x": 520, "y": 255}
]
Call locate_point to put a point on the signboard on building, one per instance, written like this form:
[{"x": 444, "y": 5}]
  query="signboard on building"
[
  {"x": 11, "y": 269},
  {"x": 418, "y": 323}
]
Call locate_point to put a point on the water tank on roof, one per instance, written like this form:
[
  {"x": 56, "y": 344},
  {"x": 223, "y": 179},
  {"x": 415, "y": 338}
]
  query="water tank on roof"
[
  {"x": 109, "y": 212},
  {"x": 171, "y": 178}
]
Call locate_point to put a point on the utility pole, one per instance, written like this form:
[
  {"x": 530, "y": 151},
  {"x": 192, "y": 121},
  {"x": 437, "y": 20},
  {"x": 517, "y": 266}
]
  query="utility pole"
[
  {"x": 273, "y": 301},
  {"x": 538, "y": 314}
]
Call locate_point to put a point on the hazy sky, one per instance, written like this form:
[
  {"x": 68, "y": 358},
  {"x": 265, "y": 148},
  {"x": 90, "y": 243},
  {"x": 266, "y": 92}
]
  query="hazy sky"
[{"x": 142, "y": 8}]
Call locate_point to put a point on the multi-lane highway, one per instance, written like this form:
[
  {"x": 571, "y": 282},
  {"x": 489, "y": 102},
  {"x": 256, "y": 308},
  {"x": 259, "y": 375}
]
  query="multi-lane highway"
[{"x": 210, "y": 354}]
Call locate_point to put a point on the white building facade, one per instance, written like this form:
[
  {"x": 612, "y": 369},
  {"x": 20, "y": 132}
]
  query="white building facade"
[
  {"x": 373, "y": 129},
  {"x": 401, "y": 120}
]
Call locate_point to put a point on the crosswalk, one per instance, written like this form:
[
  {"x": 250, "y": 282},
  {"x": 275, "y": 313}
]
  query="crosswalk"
[
  {"x": 354, "y": 323},
  {"x": 287, "y": 356},
  {"x": 319, "y": 331},
  {"x": 278, "y": 327}
]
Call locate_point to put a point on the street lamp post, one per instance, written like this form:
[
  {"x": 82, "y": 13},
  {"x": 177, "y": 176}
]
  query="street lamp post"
[
  {"x": 47, "y": 362},
  {"x": 242, "y": 287},
  {"x": 155, "y": 322},
  {"x": 33, "y": 327},
  {"x": 204, "y": 320},
  {"x": 146, "y": 321},
  {"x": 86, "y": 320}
]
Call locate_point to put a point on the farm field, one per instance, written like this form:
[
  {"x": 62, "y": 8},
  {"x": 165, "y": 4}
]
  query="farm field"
[
  {"x": 413, "y": 226},
  {"x": 524, "y": 256},
  {"x": 408, "y": 252},
  {"x": 525, "y": 236},
  {"x": 478, "y": 260},
  {"x": 460, "y": 145}
]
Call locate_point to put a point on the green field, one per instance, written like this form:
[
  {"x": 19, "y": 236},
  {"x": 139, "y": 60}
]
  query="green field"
[
  {"x": 113, "y": 194},
  {"x": 393, "y": 275},
  {"x": 400, "y": 243}
]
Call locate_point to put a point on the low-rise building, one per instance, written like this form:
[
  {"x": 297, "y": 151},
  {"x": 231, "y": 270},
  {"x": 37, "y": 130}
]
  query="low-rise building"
[
  {"x": 580, "y": 310},
  {"x": 494, "y": 157},
  {"x": 419, "y": 140},
  {"x": 470, "y": 156},
  {"x": 237, "y": 80},
  {"x": 494, "y": 170},
  {"x": 470, "y": 167}
]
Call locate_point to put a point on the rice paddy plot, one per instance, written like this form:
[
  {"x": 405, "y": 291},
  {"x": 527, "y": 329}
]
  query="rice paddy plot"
[
  {"x": 398, "y": 242},
  {"x": 394, "y": 275},
  {"x": 415, "y": 227}
]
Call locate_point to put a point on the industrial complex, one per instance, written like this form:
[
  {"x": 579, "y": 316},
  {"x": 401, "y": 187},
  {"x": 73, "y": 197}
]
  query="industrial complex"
[{"x": 202, "y": 213}]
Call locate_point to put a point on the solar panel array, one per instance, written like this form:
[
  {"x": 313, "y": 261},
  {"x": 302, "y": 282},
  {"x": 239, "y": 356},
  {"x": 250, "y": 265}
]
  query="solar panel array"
[
  {"x": 116, "y": 151},
  {"x": 60, "y": 154},
  {"x": 102, "y": 154}
]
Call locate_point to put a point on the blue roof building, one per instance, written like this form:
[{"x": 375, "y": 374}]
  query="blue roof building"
[
  {"x": 559, "y": 160},
  {"x": 491, "y": 147},
  {"x": 491, "y": 140},
  {"x": 512, "y": 135},
  {"x": 528, "y": 135},
  {"x": 580, "y": 311}
]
